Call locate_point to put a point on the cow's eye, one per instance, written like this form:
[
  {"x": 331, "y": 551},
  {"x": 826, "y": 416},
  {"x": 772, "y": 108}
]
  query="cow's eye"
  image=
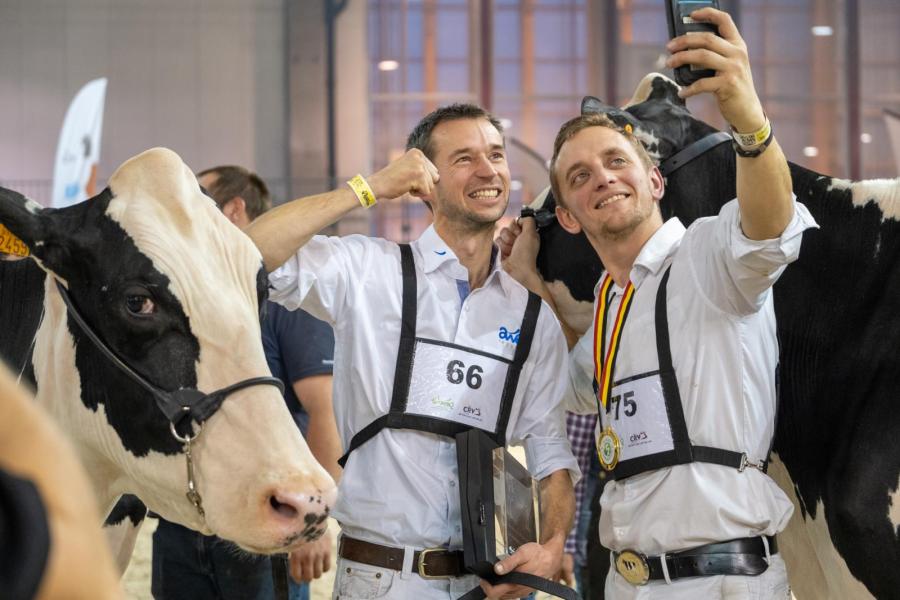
[{"x": 139, "y": 303}]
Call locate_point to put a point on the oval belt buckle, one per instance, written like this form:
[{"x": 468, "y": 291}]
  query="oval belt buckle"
[{"x": 633, "y": 567}]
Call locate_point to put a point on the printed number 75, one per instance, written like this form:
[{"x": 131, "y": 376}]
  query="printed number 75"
[{"x": 628, "y": 400}]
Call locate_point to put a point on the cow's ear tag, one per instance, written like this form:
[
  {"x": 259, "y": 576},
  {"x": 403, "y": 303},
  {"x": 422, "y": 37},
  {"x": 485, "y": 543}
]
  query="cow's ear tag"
[{"x": 10, "y": 244}]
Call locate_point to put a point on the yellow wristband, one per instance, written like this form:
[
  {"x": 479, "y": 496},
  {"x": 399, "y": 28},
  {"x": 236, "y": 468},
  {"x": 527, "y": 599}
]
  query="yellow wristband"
[
  {"x": 362, "y": 190},
  {"x": 752, "y": 141}
]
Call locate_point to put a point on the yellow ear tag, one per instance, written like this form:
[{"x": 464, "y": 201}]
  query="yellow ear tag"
[
  {"x": 10, "y": 244},
  {"x": 628, "y": 128}
]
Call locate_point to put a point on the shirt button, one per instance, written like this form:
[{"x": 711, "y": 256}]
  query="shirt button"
[
  {"x": 452, "y": 484},
  {"x": 620, "y": 531}
]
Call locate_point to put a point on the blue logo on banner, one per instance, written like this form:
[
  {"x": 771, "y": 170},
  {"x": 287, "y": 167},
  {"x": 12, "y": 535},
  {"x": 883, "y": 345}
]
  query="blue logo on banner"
[{"x": 509, "y": 336}]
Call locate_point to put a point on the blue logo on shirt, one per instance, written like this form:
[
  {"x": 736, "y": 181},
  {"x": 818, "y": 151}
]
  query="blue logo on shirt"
[
  {"x": 440, "y": 252},
  {"x": 509, "y": 336}
]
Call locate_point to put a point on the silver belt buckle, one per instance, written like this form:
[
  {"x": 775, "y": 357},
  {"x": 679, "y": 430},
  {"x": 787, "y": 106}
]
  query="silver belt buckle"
[
  {"x": 420, "y": 565},
  {"x": 633, "y": 567}
]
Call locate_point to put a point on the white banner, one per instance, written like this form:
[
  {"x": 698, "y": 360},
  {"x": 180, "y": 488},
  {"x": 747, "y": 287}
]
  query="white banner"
[
  {"x": 893, "y": 126},
  {"x": 78, "y": 152}
]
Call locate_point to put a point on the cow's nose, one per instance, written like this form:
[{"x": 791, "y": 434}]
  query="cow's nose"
[{"x": 306, "y": 510}]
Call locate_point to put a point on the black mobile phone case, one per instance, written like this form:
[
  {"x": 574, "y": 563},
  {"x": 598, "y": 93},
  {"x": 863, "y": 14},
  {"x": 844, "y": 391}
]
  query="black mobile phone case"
[{"x": 676, "y": 12}]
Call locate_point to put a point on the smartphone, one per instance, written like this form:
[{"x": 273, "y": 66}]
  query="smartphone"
[{"x": 678, "y": 15}]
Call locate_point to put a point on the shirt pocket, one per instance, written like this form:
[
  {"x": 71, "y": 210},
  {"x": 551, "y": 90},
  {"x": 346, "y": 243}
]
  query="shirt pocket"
[{"x": 360, "y": 582}]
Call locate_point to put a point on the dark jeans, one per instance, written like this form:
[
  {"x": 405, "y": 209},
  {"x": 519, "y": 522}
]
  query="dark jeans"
[{"x": 191, "y": 566}]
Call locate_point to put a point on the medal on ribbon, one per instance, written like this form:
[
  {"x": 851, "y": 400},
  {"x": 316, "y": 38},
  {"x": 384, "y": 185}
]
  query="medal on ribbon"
[{"x": 608, "y": 444}]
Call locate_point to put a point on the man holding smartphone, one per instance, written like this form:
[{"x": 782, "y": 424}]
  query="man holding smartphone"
[{"x": 681, "y": 359}]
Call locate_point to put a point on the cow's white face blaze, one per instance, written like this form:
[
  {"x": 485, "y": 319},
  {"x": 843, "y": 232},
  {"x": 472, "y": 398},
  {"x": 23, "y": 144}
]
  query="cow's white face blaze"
[{"x": 194, "y": 323}]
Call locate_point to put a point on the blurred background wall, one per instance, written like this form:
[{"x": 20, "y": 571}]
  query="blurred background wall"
[{"x": 308, "y": 93}]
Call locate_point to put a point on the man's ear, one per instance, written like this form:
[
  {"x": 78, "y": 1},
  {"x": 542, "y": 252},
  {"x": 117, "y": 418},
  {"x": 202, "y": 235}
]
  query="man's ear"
[
  {"x": 567, "y": 221},
  {"x": 236, "y": 211},
  {"x": 657, "y": 183}
]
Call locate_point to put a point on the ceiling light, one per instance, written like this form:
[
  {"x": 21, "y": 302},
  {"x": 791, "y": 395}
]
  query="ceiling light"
[
  {"x": 866, "y": 138},
  {"x": 388, "y": 65},
  {"x": 810, "y": 151},
  {"x": 515, "y": 185},
  {"x": 505, "y": 123},
  {"x": 822, "y": 30}
]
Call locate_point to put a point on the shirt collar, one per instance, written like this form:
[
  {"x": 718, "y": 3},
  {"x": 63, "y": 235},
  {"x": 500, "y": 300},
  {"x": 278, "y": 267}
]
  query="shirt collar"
[
  {"x": 654, "y": 252},
  {"x": 436, "y": 253}
]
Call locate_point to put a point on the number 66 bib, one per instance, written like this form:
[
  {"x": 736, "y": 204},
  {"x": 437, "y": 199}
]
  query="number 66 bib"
[
  {"x": 637, "y": 413},
  {"x": 453, "y": 383}
]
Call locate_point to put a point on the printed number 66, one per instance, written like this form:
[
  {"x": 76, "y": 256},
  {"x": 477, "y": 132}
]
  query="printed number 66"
[{"x": 472, "y": 376}]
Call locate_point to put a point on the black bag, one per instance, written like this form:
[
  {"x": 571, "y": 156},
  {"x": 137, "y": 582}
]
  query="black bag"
[{"x": 500, "y": 508}]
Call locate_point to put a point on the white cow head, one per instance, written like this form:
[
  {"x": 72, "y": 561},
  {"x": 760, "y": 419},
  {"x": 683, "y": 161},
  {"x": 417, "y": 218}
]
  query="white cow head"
[{"x": 174, "y": 290}]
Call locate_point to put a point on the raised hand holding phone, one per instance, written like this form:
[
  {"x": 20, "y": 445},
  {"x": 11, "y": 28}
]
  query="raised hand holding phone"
[{"x": 678, "y": 16}]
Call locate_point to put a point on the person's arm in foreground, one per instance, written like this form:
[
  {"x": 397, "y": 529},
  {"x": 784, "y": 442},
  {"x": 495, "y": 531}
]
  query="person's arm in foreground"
[{"x": 79, "y": 564}]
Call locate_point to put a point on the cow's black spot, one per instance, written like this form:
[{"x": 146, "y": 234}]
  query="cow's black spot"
[
  {"x": 129, "y": 506},
  {"x": 21, "y": 302},
  {"x": 102, "y": 265}
]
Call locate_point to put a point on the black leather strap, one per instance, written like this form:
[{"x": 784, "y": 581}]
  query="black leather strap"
[
  {"x": 180, "y": 407},
  {"x": 745, "y": 556},
  {"x": 692, "y": 151},
  {"x": 540, "y": 584},
  {"x": 523, "y": 348}
]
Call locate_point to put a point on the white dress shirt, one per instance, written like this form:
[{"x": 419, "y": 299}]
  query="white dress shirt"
[
  {"x": 725, "y": 351},
  {"x": 401, "y": 487}
]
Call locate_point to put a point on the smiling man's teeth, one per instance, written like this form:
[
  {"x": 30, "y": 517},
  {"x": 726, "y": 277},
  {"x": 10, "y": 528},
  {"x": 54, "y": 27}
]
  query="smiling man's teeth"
[
  {"x": 485, "y": 194},
  {"x": 612, "y": 199}
]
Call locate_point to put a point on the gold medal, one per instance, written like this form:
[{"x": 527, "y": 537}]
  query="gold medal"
[{"x": 608, "y": 449}]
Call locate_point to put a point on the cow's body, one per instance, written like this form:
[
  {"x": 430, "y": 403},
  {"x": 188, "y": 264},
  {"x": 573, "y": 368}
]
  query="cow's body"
[
  {"x": 837, "y": 446},
  {"x": 172, "y": 288}
]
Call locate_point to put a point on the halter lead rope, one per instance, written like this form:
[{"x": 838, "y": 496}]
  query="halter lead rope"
[{"x": 186, "y": 402}]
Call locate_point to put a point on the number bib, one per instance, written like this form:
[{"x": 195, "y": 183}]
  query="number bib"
[
  {"x": 455, "y": 384},
  {"x": 637, "y": 413}
]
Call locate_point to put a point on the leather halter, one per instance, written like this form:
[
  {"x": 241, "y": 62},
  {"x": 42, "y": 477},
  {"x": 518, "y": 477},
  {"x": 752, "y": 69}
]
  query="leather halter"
[
  {"x": 692, "y": 151},
  {"x": 180, "y": 406}
]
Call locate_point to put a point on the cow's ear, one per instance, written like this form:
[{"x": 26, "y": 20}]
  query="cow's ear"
[
  {"x": 43, "y": 230},
  {"x": 664, "y": 89},
  {"x": 23, "y": 217},
  {"x": 591, "y": 105}
]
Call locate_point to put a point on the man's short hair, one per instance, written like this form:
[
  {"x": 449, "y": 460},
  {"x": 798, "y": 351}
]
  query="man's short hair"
[
  {"x": 571, "y": 127},
  {"x": 234, "y": 181},
  {"x": 420, "y": 137}
]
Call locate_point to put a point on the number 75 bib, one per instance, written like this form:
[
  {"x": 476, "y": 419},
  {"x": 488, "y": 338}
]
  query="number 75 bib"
[{"x": 637, "y": 413}]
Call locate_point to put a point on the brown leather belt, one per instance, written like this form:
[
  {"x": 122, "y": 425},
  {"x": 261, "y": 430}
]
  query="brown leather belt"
[{"x": 431, "y": 563}]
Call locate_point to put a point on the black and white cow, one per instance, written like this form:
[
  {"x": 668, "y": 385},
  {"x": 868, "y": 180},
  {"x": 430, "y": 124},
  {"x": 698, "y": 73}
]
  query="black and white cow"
[
  {"x": 837, "y": 446},
  {"x": 173, "y": 289}
]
